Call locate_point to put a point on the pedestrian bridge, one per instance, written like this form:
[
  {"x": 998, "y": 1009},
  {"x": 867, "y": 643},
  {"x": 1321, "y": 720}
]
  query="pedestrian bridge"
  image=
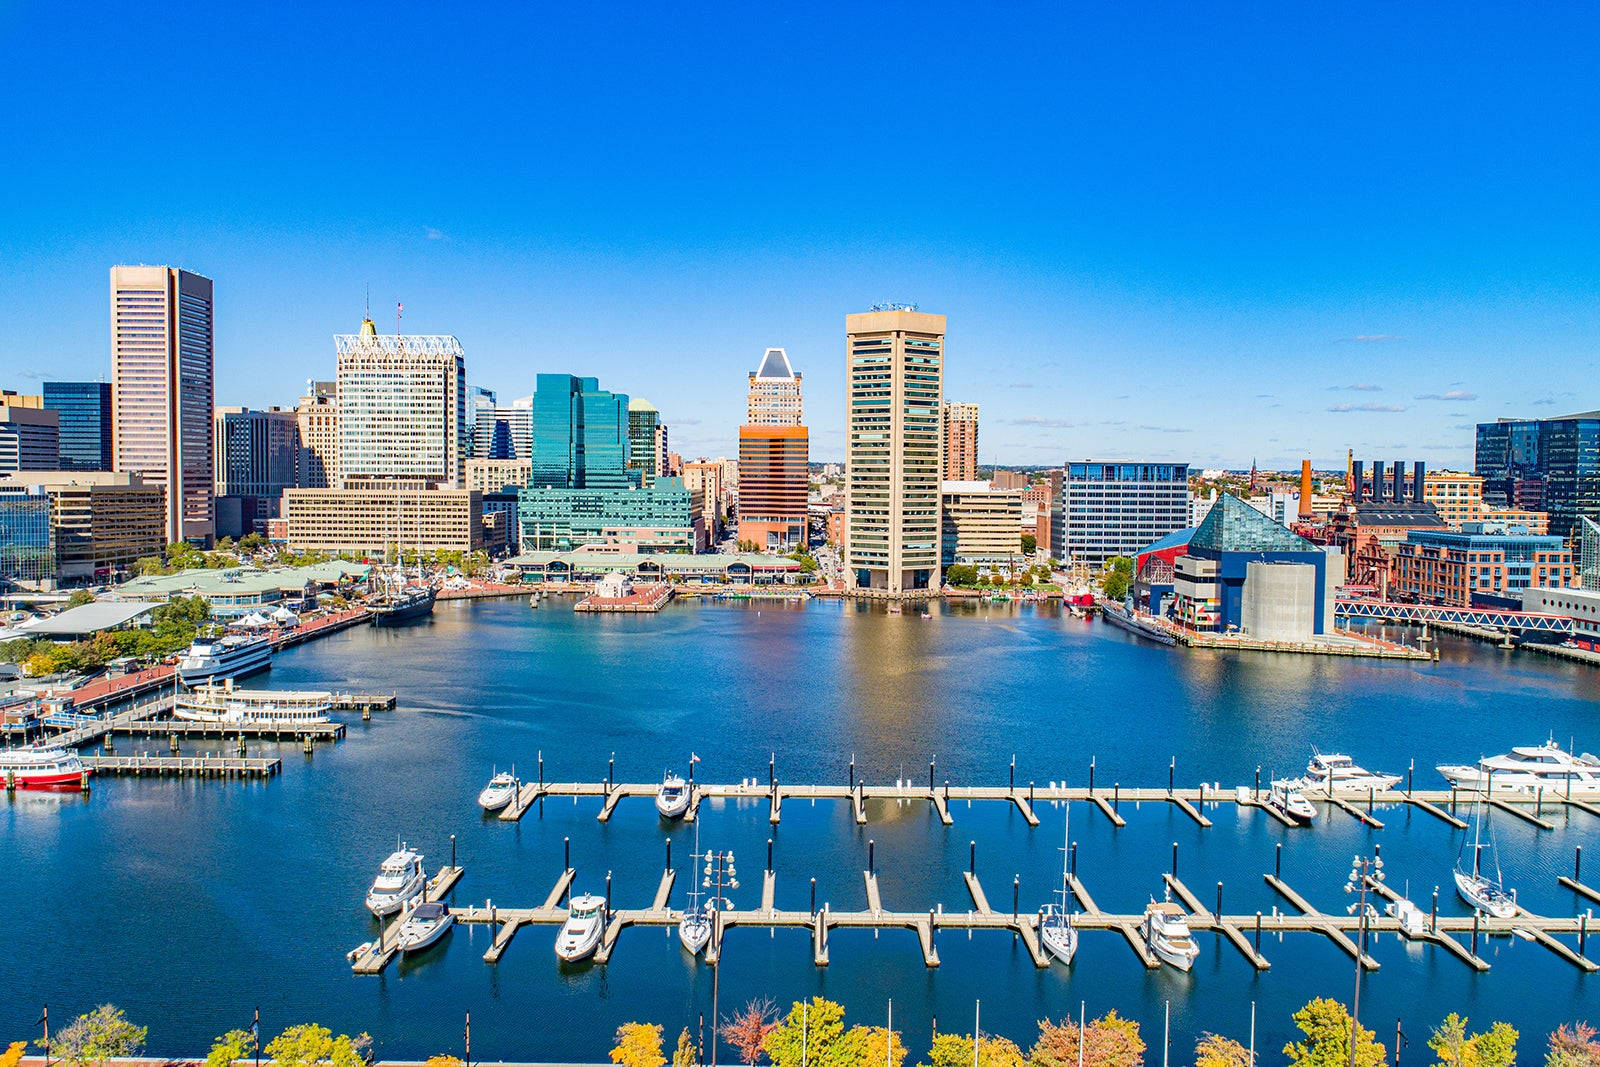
[{"x": 1489, "y": 619}]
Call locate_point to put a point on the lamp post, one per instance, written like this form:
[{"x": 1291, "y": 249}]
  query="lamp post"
[
  {"x": 1365, "y": 872},
  {"x": 720, "y": 875}
]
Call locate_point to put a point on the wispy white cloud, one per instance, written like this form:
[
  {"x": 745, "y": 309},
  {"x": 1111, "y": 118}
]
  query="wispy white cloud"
[
  {"x": 1368, "y": 407},
  {"x": 1544, "y": 402},
  {"x": 1041, "y": 421},
  {"x": 1359, "y": 387},
  {"x": 1453, "y": 394},
  {"x": 1020, "y": 385},
  {"x": 1166, "y": 429}
]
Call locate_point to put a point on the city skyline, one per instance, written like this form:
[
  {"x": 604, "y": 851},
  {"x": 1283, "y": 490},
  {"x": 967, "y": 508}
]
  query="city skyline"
[{"x": 1124, "y": 249}]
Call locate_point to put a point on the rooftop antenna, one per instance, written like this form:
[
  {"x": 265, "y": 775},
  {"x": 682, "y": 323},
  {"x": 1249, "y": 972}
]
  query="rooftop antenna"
[
  {"x": 369, "y": 300},
  {"x": 398, "y": 309}
]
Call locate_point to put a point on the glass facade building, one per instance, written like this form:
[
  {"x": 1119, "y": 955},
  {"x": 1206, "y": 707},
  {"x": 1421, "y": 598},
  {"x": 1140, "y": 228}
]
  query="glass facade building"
[
  {"x": 1550, "y": 465},
  {"x": 560, "y": 518},
  {"x": 85, "y": 427},
  {"x": 1115, "y": 509},
  {"x": 580, "y": 434},
  {"x": 27, "y": 536}
]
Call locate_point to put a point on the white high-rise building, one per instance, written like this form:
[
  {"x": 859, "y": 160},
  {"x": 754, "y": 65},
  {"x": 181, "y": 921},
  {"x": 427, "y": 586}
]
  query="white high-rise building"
[
  {"x": 162, "y": 364},
  {"x": 402, "y": 410}
]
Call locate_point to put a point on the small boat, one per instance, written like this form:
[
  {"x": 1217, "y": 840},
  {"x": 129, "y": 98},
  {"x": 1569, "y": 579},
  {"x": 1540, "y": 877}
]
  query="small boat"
[
  {"x": 1056, "y": 932},
  {"x": 423, "y": 925},
  {"x": 1166, "y": 931},
  {"x": 48, "y": 767},
  {"x": 1287, "y": 800},
  {"x": 1488, "y": 895},
  {"x": 580, "y": 934},
  {"x": 1529, "y": 769},
  {"x": 672, "y": 799},
  {"x": 1333, "y": 772},
  {"x": 400, "y": 879},
  {"x": 359, "y": 951},
  {"x": 501, "y": 790}
]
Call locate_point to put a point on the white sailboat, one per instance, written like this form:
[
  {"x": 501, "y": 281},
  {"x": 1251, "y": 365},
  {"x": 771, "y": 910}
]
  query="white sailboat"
[
  {"x": 1488, "y": 895},
  {"x": 694, "y": 929},
  {"x": 1056, "y": 931}
]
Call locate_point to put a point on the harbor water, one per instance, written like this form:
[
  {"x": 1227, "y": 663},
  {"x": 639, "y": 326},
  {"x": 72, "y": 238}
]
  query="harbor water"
[{"x": 191, "y": 903}]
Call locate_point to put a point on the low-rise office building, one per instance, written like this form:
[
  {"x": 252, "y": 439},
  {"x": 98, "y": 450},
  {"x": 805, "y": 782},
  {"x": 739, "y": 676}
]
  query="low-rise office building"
[
  {"x": 103, "y": 520},
  {"x": 498, "y": 475},
  {"x": 590, "y": 564},
  {"x": 27, "y": 537},
  {"x": 561, "y": 519},
  {"x": 982, "y": 526},
  {"x": 1482, "y": 561},
  {"x": 1458, "y": 498},
  {"x": 373, "y": 521}
]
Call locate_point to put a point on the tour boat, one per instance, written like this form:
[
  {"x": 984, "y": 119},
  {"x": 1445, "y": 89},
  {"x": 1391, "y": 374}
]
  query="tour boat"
[
  {"x": 672, "y": 799},
  {"x": 580, "y": 934},
  {"x": 1529, "y": 769},
  {"x": 501, "y": 790},
  {"x": 41, "y": 768},
  {"x": 1488, "y": 895},
  {"x": 1287, "y": 800},
  {"x": 215, "y": 659},
  {"x": 1056, "y": 931},
  {"x": 399, "y": 880},
  {"x": 1166, "y": 931},
  {"x": 242, "y": 707},
  {"x": 1331, "y": 772},
  {"x": 423, "y": 925}
]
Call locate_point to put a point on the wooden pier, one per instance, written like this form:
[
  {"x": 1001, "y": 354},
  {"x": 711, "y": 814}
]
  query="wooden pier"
[
  {"x": 145, "y": 765},
  {"x": 317, "y": 731}
]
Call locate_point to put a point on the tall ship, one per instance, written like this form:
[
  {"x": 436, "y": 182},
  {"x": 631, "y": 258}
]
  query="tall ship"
[
  {"x": 218, "y": 659},
  {"x": 42, "y": 768},
  {"x": 252, "y": 707},
  {"x": 402, "y": 603},
  {"x": 1529, "y": 769}
]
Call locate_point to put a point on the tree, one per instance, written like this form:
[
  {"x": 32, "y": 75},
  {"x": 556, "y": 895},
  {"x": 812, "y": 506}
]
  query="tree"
[
  {"x": 955, "y": 1050},
  {"x": 685, "y": 1055},
  {"x": 638, "y": 1045},
  {"x": 251, "y": 541},
  {"x": 80, "y": 598},
  {"x": 1326, "y": 1026},
  {"x": 12, "y": 1056},
  {"x": 823, "y": 1027},
  {"x": 868, "y": 1046},
  {"x": 231, "y": 1046},
  {"x": 1214, "y": 1050},
  {"x": 308, "y": 1045},
  {"x": 1573, "y": 1047},
  {"x": 443, "y": 1059},
  {"x": 103, "y": 1034},
  {"x": 961, "y": 575},
  {"x": 747, "y": 1029},
  {"x": 1116, "y": 577},
  {"x": 1030, "y": 544}
]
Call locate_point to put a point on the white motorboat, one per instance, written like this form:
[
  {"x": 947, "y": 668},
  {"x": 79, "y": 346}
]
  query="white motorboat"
[
  {"x": 1056, "y": 932},
  {"x": 672, "y": 799},
  {"x": 1166, "y": 931},
  {"x": 423, "y": 925},
  {"x": 400, "y": 879},
  {"x": 580, "y": 934},
  {"x": 1286, "y": 799},
  {"x": 1488, "y": 895},
  {"x": 1333, "y": 772},
  {"x": 221, "y": 658},
  {"x": 1529, "y": 769},
  {"x": 501, "y": 790}
]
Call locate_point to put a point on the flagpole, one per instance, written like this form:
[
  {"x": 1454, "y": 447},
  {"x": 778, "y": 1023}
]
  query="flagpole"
[
  {"x": 44, "y": 1020},
  {"x": 888, "y": 1039},
  {"x": 977, "y": 1031},
  {"x": 1081, "y": 1016},
  {"x": 255, "y": 1035},
  {"x": 467, "y": 1035},
  {"x": 1252, "y": 1034}
]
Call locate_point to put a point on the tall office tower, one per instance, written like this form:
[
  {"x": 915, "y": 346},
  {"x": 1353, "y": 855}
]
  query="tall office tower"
[
  {"x": 960, "y": 442},
  {"x": 479, "y": 399},
  {"x": 774, "y": 448},
  {"x": 580, "y": 434},
  {"x": 162, "y": 364},
  {"x": 318, "y": 418},
  {"x": 644, "y": 429},
  {"x": 29, "y": 438},
  {"x": 258, "y": 452},
  {"x": 85, "y": 412},
  {"x": 1548, "y": 465},
  {"x": 402, "y": 410},
  {"x": 774, "y": 393},
  {"x": 504, "y": 433},
  {"x": 895, "y": 368},
  {"x": 663, "y": 463}
]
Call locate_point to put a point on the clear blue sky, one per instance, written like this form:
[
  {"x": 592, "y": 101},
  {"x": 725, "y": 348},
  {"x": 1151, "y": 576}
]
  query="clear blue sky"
[{"x": 1177, "y": 231}]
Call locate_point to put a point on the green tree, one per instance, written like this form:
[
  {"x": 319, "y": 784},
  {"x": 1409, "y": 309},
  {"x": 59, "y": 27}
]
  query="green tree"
[
  {"x": 961, "y": 575},
  {"x": 1326, "y": 1026},
  {"x": 251, "y": 541},
  {"x": 308, "y": 1045},
  {"x": 80, "y": 598},
  {"x": 1116, "y": 577},
  {"x": 823, "y": 1027},
  {"x": 955, "y": 1050},
  {"x": 869, "y": 1046},
  {"x": 685, "y": 1055},
  {"x": 1214, "y": 1050},
  {"x": 231, "y": 1046},
  {"x": 638, "y": 1045},
  {"x": 1497, "y": 1046},
  {"x": 1030, "y": 544},
  {"x": 101, "y": 1035}
]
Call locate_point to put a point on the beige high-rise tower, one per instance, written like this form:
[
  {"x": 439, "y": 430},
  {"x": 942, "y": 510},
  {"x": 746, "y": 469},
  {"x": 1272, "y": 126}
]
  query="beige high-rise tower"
[
  {"x": 162, "y": 363},
  {"x": 960, "y": 442},
  {"x": 895, "y": 369}
]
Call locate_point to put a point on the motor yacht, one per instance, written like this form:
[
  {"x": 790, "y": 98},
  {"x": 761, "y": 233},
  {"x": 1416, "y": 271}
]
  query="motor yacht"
[
  {"x": 672, "y": 799},
  {"x": 1333, "y": 772},
  {"x": 1166, "y": 931},
  {"x": 1473, "y": 884},
  {"x": 399, "y": 880},
  {"x": 423, "y": 925},
  {"x": 580, "y": 934},
  {"x": 1288, "y": 801},
  {"x": 42, "y": 768},
  {"x": 220, "y": 658},
  {"x": 501, "y": 790},
  {"x": 1528, "y": 769}
]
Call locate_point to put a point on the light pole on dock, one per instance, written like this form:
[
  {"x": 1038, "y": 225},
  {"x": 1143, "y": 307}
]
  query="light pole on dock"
[
  {"x": 720, "y": 876},
  {"x": 1365, "y": 871}
]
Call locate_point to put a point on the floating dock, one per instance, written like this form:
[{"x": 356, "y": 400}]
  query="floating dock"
[{"x": 145, "y": 765}]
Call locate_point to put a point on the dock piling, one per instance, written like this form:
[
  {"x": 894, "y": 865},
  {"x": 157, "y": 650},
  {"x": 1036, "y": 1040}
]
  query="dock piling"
[
  {"x": 452, "y": 850},
  {"x": 611, "y": 770},
  {"x": 930, "y": 775},
  {"x": 1172, "y": 775},
  {"x": 1258, "y": 933},
  {"x": 871, "y": 864},
  {"x": 972, "y": 858},
  {"x": 1091, "y": 774},
  {"x": 1475, "y": 914},
  {"x": 1012, "y": 786},
  {"x": 1411, "y": 770},
  {"x": 772, "y": 770},
  {"x": 1116, "y": 797},
  {"x": 1016, "y": 891},
  {"x": 1072, "y": 858},
  {"x": 566, "y": 853},
  {"x": 1218, "y": 912},
  {"x": 1277, "y": 862},
  {"x": 1583, "y": 932},
  {"x": 669, "y": 854},
  {"x": 608, "y": 895},
  {"x": 769, "y": 854},
  {"x": 1434, "y": 918},
  {"x": 813, "y": 897},
  {"x": 852, "y": 772},
  {"x": 1174, "y": 859},
  {"x": 1577, "y": 864},
  {"x": 541, "y": 769}
]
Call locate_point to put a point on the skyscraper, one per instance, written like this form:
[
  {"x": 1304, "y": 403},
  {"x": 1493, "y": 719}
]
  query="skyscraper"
[
  {"x": 504, "y": 433},
  {"x": 318, "y": 417},
  {"x": 479, "y": 399},
  {"x": 1115, "y": 509},
  {"x": 895, "y": 369},
  {"x": 960, "y": 441},
  {"x": 580, "y": 434},
  {"x": 85, "y": 411},
  {"x": 774, "y": 448},
  {"x": 29, "y": 439},
  {"x": 402, "y": 410},
  {"x": 162, "y": 365},
  {"x": 258, "y": 452},
  {"x": 1550, "y": 465},
  {"x": 643, "y": 423}
]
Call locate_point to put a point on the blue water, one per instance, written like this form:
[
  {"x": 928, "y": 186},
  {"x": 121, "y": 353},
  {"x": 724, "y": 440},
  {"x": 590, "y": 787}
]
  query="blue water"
[{"x": 192, "y": 903}]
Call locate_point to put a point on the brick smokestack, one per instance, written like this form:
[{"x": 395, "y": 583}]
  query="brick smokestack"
[{"x": 1305, "y": 489}]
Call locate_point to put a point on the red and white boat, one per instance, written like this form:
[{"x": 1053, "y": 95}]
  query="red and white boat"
[{"x": 41, "y": 768}]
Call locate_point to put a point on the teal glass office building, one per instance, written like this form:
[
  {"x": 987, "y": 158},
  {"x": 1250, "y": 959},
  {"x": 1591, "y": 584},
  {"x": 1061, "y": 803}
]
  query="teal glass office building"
[
  {"x": 580, "y": 434},
  {"x": 557, "y": 518}
]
